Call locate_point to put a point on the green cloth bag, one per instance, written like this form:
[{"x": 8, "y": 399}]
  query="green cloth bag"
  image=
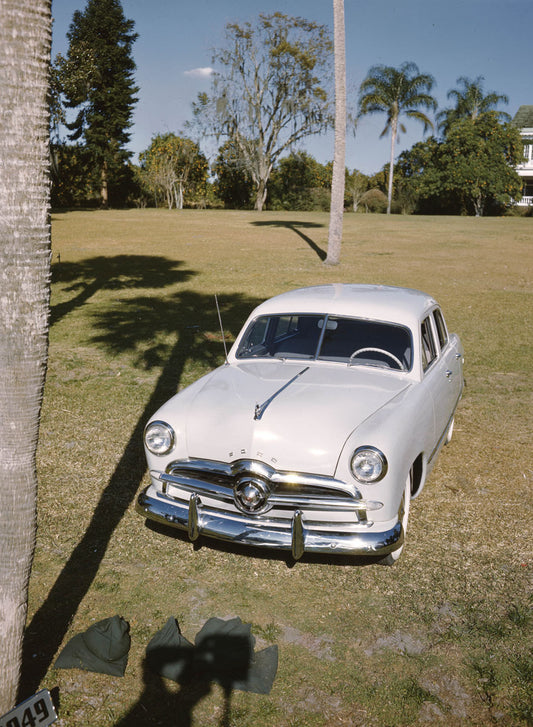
[
  {"x": 223, "y": 652},
  {"x": 103, "y": 648}
]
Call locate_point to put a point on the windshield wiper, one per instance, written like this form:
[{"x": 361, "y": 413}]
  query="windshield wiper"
[{"x": 260, "y": 408}]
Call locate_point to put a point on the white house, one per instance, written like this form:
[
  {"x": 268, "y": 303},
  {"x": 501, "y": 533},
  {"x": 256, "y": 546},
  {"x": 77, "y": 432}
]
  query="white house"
[{"x": 524, "y": 121}]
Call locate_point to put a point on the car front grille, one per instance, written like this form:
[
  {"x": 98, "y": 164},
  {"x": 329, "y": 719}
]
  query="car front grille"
[{"x": 287, "y": 490}]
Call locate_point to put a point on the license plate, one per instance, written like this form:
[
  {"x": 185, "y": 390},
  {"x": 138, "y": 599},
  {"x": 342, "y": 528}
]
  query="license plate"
[{"x": 37, "y": 711}]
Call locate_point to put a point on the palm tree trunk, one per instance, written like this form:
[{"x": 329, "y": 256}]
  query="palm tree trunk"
[
  {"x": 338, "y": 175},
  {"x": 394, "y": 132},
  {"x": 25, "y": 38}
]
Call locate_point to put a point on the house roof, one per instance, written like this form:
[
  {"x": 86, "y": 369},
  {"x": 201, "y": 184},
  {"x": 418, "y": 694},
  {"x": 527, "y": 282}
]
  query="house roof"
[{"x": 524, "y": 117}]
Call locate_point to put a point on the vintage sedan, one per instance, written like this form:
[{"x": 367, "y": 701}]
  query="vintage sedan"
[{"x": 317, "y": 431}]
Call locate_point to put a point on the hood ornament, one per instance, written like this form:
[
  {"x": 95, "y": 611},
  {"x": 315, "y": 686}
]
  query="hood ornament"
[{"x": 260, "y": 408}]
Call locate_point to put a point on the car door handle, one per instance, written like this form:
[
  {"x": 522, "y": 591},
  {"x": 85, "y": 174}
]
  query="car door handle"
[{"x": 449, "y": 374}]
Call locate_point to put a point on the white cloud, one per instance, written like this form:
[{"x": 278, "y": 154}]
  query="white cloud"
[{"x": 199, "y": 72}]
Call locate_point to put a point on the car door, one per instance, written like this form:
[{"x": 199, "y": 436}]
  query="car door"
[{"x": 443, "y": 369}]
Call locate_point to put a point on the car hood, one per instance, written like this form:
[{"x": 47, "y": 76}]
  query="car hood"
[{"x": 305, "y": 425}]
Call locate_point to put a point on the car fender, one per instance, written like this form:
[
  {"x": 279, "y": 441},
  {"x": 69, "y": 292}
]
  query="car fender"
[{"x": 404, "y": 430}]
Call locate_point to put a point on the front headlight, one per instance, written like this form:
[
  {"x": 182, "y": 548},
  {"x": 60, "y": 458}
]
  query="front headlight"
[
  {"x": 368, "y": 464},
  {"x": 159, "y": 437}
]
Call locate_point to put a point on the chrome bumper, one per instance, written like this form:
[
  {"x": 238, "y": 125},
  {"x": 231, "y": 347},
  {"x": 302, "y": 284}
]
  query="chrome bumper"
[{"x": 295, "y": 535}]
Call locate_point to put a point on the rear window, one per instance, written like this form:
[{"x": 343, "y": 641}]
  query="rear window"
[{"x": 328, "y": 338}]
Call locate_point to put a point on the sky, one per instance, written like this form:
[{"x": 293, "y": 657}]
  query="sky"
[{"x": 446, "y": 38}]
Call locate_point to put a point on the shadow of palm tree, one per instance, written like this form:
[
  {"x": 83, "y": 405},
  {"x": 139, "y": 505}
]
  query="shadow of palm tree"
[
  {"x": 296, "y": 226},
  {"x": 120, "y": 272},
  {"x": 127, "y": 327}
]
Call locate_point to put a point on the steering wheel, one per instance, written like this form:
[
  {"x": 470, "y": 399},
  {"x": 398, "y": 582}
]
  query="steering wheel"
[{"x": 379, "y": 350}]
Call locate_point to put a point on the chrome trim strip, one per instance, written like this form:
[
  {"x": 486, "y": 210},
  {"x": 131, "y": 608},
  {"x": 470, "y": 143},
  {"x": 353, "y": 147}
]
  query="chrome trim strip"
[
  {"x": 265, "y": 533},
  {"x": 190, "y": 484},
  {"x": 260, "y": 408},
  {"x": 324, "y": 503},
  {"x": 261, "y": 469}
]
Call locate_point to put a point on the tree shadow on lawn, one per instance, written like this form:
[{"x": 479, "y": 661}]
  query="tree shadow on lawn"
[
  {"x": 120, "y": 272},
  {"x": 131, "y": 325},
  {"x": 295, "y": 226}
]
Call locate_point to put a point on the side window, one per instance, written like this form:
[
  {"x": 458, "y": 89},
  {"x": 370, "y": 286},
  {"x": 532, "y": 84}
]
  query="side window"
[
  {"x": 440, "y": 326},
  {"x": 257, "y": 333},
  {"x": 429, "y": 351},
  {"x": 286, "y": 326}
]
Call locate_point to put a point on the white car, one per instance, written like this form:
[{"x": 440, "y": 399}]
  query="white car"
[{"x": 320, "y": 427}]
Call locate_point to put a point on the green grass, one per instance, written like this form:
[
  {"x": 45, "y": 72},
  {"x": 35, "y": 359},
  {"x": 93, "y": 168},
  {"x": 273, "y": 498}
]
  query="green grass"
[{"x": 444, "y": 637}]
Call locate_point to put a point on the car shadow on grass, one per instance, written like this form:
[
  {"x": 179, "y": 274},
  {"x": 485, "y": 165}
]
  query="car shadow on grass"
[
  {"x": 263, "y": 553},
  {"x": 142, "y": 327},
  {"x": 296, "y": 226}
]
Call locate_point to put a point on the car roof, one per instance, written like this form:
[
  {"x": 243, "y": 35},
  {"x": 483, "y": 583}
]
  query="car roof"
[{"x": 376, "y": 302}]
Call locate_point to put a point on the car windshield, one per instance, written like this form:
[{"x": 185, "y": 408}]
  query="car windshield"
[{"x": 330, "y": 338}]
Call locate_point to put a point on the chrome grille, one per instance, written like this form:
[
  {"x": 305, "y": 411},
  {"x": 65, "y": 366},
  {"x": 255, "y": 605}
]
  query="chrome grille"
[{"x": 288, "y": 489}]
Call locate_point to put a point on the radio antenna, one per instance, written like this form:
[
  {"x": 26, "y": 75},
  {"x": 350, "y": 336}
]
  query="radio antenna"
[{"x": 221, "y": 328}]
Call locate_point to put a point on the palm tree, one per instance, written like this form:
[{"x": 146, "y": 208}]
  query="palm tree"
[
  {"x": 25, "y": 38},
  {"x": 338, "y": 175},
  {"x": 397, "y": 92},
  {"x": 470, "y": 102}
]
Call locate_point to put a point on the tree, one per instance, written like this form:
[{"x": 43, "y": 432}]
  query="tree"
[
  {"x": 356, "y": 184},
  {"x": 472, "y": 169},
  {"x": 338, "y": 176},
  {"x": 71, "y": 171},
  {"x": 299, "y": 182},
  {"x": 25, "y": 40},
  {"x": 397, "y": 92},
  {"x": 470, "y": 102},
  {"x": 233, "y": 185},
  {"x": 270, "y": 92},
  {"x": 97, "y": 79},
  {"x": 175, "y": 167}
]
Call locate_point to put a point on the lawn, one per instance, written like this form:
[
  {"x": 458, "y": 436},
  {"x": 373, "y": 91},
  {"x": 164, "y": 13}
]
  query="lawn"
[{"x": 442, "y": 638}]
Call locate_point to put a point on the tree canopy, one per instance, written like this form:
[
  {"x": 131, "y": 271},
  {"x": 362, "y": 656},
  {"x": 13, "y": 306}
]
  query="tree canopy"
[
  {"x": 174, "y": 167},
  {"x": 270, "y": 91},
  {"x": 397, "y": 92},
  {"x": 472, "y": 169},
  {"x": 97, "y": 79},
  {"x": 471, "y": 101},
  {"x": 299, "y": 182},
  {"x": 233, "y": 184}
]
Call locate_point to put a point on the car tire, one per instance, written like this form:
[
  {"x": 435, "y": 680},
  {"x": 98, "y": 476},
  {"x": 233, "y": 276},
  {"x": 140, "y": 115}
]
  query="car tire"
[{"x": 391, "y": 558}]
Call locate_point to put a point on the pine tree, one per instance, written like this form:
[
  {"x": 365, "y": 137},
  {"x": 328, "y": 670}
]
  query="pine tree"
[{"x": 98, "y": 80}]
